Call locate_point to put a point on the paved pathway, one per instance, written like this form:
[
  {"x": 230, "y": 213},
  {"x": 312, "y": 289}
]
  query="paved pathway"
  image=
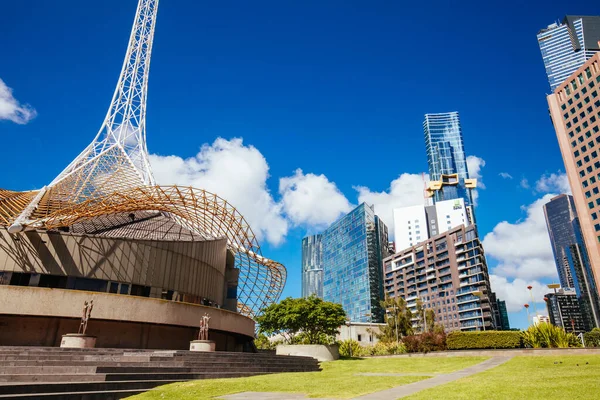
[
  {"x": 393, "y": 393},
  {"x": 406, "y": 390}
]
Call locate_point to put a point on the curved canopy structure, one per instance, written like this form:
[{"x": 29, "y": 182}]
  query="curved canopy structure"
[
  {"x": 113, "y": 176},
  {"x": 261, "y": 280}
]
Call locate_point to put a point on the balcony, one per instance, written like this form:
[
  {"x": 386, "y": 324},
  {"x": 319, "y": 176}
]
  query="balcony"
[{"x": 467, "y": 299}]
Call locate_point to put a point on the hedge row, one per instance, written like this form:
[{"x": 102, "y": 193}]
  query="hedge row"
[{"x": 484, "y": 340}]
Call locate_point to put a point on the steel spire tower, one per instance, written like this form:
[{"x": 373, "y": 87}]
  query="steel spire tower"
[
  {"x": 111, "y": 180},
  {"x": 117, "y": 158}
]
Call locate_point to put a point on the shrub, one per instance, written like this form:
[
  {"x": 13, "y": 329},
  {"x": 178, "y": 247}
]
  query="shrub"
[
  {"x": 592, "y": 339},
  {"x": 484, "y": 340},
  {"x": 351, "y": 348},
  {"x": 425, "y": 342},
  {"x": 384, "y": 349},
  {"x": 262, "y": 343},
  {"x": 546, "y": 335}
]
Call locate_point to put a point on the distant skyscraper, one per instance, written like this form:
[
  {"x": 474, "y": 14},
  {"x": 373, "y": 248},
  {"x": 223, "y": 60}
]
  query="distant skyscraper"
[
  {"x": 448, "y": 173},
  {"x": 504, "y": 322},
  {"x": 353, "y": 248},
  {"x": 575, "y": 111},
  {"x": 312, "y": 268},
  {"x": 416, "y": 224},
  {"x": 564, "y": 311},
  {"x": 561, "y": 223},
  {"x": 567, "y": 46}
]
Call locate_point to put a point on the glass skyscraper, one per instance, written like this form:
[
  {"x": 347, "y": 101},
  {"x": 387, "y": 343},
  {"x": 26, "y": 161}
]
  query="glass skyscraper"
[
  {"x": 446, "y": 156},
  {"x": 312, "y": 268},
  {"x": 570, "y": 255},
  {"x": 567, "y": 46},
  {"x": 353, "y": 250}
]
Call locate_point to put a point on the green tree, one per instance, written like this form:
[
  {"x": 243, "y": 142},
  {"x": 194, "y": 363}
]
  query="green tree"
[
  {"x": 316, "y": 320},
  {"x": 427, "y": 316},
  {"x": 397, "y": 317}
]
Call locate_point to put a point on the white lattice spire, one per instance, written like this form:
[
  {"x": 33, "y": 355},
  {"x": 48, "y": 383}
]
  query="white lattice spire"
[{"x": 117, "y": 158}]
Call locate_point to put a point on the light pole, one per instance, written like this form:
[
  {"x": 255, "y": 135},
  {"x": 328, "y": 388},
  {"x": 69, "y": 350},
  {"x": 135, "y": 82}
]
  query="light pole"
[
  {"x": 555, "y": 286},
  {"x": 370, "y": 326},
  {"x": 349, "y": 325},
  {"x": 480, "y": 295},
  {"x": 388, "y": 310},
  {"x": 532, "y": 299}
]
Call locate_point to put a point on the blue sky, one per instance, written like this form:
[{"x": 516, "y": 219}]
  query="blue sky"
[{"x": 337, "y": 89}]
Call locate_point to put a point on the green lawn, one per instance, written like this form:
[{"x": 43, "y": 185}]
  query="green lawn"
[
  {"x": 526, "y": 377},
  {"x": 337, "y": 380}
]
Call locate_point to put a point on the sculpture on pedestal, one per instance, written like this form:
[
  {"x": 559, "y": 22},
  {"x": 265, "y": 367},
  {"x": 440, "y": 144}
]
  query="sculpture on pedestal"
[
  {"x": 203, "y": 333},
  {"x": 86, "y": 315}
]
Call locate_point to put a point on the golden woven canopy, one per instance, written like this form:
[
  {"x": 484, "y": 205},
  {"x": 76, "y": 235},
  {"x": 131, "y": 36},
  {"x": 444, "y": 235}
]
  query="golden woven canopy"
[{"x": 261, "y": 280}]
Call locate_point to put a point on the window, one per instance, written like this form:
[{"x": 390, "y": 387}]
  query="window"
[
  {"x": 597, "y": 227},
  {"x": 359, "y": 337}
]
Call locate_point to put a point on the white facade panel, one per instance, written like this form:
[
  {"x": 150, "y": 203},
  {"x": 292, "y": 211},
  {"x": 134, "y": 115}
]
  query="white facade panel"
[
  {"x": 410, "y": 226},
  {"x": 450, "y": 214}
]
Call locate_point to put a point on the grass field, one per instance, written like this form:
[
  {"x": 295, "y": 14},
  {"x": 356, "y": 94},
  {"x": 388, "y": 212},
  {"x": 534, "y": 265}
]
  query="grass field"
[
  {"x": 337, "y": 380},
  {"x": 572, "y": 377}
]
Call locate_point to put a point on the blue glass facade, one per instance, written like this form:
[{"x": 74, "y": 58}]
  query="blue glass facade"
[
  {"x": 312, "y": 267},
  {"x": 352, "y": 258},
  {"x": 446, "y": 155},
  {"x": 567, "y": 46},
  {"x": 570, "y": 254}
]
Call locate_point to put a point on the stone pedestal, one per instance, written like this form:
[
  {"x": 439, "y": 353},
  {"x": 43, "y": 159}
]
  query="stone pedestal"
[
  {"x": 202, "y": 345},
  {"x": 78, "y": 341}
]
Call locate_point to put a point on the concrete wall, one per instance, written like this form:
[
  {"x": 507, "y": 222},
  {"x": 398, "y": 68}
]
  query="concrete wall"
[
  {"x": 318, "y": 351},
  {"x": 39, "y": 316},
  {"x": 360, "y": 331},
  {"x": 191, "y": 267}
]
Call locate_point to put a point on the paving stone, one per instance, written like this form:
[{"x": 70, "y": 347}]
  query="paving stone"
[{"x": 406, "y": 390}]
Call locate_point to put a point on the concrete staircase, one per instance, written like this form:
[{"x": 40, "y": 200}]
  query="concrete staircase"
[{"x": 55, "y": 373}]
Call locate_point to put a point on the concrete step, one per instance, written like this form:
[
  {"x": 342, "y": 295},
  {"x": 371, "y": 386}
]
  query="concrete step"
[
  {"x": 66, "y": 377},
  {"x": 181, "y": 376},
  {"x": 102, "y": 395},
  {"x": 195, "y": 364},
  {"x": 151, "y": 370},
  {"x": 48, "y": 369},
  {"x": 73, "y": 387}
]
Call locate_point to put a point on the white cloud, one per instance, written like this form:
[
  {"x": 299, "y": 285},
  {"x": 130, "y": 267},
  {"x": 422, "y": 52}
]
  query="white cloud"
[
  {"x": 11, "y": 109},
  {"x": 524, "y": 183},
  {"x": 553, "y": 183},
  {"x": 516, "y": 294},
  {"x": 312, "y": 200},
  {"x": 523, "y": 249},
  {"x": 236, "y": 173},
  {"x": 505, "y": 175},
  {"x": 474, "y": 165},
  {"x": 406, "y": 190}
]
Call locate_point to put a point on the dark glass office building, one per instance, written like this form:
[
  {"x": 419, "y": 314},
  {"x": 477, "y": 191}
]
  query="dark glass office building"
[
  {"x": 312, "y": 268},
  {"x": 504, "y": 322},
  {"x": 353, "y": 249},
  {"x": 570, "y": 254},
  {"x": 564, "y": 311}
]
